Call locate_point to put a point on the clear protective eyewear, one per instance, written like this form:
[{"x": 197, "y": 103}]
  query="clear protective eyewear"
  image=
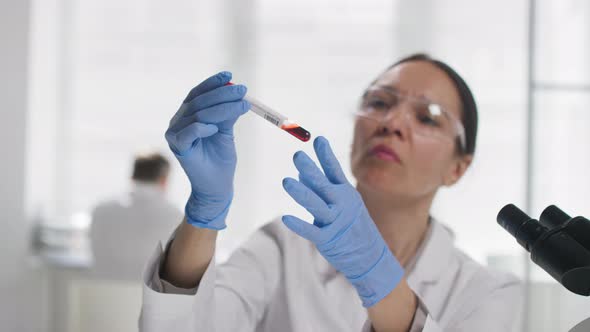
[{"x": 425, "y": 118}]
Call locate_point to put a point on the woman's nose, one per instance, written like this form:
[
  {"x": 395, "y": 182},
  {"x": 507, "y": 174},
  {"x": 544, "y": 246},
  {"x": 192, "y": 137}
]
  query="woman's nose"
[{"x": 396, "y": 123}]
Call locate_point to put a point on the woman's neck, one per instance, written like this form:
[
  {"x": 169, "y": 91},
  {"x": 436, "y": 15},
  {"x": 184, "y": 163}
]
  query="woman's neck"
[{"x": 402, "y": 222}]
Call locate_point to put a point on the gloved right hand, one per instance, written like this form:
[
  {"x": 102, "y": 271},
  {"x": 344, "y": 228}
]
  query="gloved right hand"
[
  {"x": 343, "y": 230},
  {"x": 201, "y": 137}
]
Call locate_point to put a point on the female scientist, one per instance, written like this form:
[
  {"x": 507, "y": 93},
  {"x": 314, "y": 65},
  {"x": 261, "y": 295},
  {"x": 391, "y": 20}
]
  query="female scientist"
[{"x": 373, "y": 258}]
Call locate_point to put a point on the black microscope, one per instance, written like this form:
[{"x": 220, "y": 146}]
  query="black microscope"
[{"x": 559, "y": 244}]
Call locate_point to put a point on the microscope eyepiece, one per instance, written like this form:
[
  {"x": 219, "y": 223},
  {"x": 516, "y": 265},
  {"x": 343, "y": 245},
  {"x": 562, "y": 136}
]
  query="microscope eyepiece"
[
  {"x": 525, "y": 229},
  {"x": 553, "y": 217},
  {"x": 511, "y": 218}
]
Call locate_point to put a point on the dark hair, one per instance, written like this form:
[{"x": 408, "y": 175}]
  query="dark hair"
[
  {"x": 150, "y": 167},
  {"x": 469, "y": 108}
]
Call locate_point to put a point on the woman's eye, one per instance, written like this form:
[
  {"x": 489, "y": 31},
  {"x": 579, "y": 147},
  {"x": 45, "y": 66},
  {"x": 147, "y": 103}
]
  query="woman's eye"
[
  {"x": 428, "y": 120},
  {"x": 378, "y": 104}
]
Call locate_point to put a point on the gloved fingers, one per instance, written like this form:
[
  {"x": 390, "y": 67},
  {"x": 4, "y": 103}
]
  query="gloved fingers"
[
  {"x": 309, "y": 200},
  {"x": 328, "y": 160},
  {"x": 227, "y": 127},
  {"x": 224, "y": 116},
  {"x": 179, "y": 121},
  {"x": 213, "y": 82},
  {"x": 311, "y": 176},
  {"x": 220, "y": 113},
  {"x": 304, "y": 229},
  {"x": 182, "y": 140},
  {"x": 223, "y": 94},
  {"x": 178, "y": 115}
]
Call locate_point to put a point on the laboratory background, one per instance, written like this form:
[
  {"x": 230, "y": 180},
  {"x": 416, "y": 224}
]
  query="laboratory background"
[{"x": 86, "y": 86}]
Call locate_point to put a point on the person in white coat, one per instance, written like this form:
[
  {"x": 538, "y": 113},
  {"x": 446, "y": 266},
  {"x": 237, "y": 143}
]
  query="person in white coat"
[
  {"x": 372, "y": 259},
  {"x": 134, "y": 221}
]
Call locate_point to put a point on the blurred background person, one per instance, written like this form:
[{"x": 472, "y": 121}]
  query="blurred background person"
[{"x": 123, "y": 230}]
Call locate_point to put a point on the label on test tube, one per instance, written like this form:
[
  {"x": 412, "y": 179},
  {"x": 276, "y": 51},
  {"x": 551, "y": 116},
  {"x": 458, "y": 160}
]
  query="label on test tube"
[
  {"x": 266, "y": 112},
  {"x": 272, "y": 119},
  {"x": 277, "y": 119}
]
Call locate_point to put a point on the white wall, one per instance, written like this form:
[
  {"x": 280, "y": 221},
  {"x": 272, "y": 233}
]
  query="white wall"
[{"x": 21, "y": 296}]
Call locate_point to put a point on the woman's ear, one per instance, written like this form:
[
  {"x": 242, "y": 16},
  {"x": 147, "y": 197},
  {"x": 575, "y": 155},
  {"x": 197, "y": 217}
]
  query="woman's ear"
[{"x": 458, "y": 167}]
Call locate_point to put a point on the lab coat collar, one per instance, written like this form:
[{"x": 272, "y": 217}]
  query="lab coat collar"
[
  {"x": 433, "y": 256},
  {"x": 429, "y": 263}
]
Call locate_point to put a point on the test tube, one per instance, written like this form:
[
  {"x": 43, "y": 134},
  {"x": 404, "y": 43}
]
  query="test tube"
[{"x": 277, "y": 119}]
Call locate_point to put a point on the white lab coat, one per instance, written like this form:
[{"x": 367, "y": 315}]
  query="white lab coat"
[
  {"x": 278, "y": 281},
  {"x": 123, "y": 230}
]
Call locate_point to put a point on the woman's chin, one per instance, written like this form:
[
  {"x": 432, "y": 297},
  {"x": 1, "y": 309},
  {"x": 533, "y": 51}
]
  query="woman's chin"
[{"x": 378, "y": 180}]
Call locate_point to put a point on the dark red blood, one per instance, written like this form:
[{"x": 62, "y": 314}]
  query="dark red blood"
[{"x": 299, "y": 132}]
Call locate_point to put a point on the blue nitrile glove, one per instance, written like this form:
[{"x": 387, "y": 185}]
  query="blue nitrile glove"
[
  {"x": 342, "y": 231},
  {"x": 201, "y": 136}
]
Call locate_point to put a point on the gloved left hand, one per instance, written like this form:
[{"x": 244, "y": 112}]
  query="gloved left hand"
[
  {"x": 343, "y": 230},
  {"x": 201, "y": 135}
]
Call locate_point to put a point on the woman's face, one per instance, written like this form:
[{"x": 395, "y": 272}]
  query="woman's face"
[{"x": 389, "y": 157}]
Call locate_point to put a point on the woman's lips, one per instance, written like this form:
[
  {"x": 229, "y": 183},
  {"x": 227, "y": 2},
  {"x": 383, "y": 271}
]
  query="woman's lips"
[{"x": 384, "y": 152}]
